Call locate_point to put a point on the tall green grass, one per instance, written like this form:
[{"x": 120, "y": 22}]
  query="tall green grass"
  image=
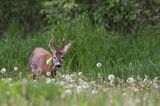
[{"x": 120, "y": 54}]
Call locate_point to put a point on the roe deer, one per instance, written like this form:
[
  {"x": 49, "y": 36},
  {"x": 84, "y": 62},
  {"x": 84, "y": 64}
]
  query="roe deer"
[{"x": 42, "y": 61}]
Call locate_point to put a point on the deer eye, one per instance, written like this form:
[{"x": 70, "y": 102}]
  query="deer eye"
[
  {"x": 54, "y": 57},
  {"x": 62, "y": 57}
]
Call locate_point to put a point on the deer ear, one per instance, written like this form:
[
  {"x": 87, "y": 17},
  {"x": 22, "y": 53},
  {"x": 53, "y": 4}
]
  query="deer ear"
[{"x": 66, "y": 48}]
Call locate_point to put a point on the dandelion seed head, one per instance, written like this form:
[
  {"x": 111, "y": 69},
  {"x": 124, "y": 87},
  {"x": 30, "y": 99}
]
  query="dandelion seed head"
[
  {"x": 63, "y": 75},
  {"x": 85, "y": 85},
  {"x": 94, "y": 92},
  {"x": 48, "y": 80},
  {"x": 61, "y": 83},
  {"x": 79, "y": 89},
  {"x": 93, "y": 82},
  {"x": 99, "y": 75},
  {"x": 15, "y": 68},
  {"x": 145, "y": 80},
  {"x": 98, "y": 65},
  {"x": 68, "y": 77},
  {"x": 130, "y": 80},
  {"x": 155, "y": 85},
  {"x": 66, "y": 93},
  {"x": 48, "y": 73},
  {"x": 72, "y": 75},
  {"x": 9, "y": 80},
  {"x": 3, "y": 70},
  {"x": 80, "y": 74},
  {"x": 69, "y": 86},
  {"x": 35, "y": 81},
  {"x": 111, "y": 77},
  {"x": 124, "y": 94},
  {"x": 53, "y": 80}
]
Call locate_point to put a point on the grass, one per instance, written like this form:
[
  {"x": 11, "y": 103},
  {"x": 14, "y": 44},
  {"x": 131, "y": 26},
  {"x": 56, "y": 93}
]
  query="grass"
[
  {"x": 75, "y": 90},
  {"x": 120, "y": 54},
  {"x": 134, "y": 55}
]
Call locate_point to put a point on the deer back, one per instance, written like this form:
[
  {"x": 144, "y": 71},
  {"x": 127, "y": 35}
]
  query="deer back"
[{"x": 37, "y": 61}]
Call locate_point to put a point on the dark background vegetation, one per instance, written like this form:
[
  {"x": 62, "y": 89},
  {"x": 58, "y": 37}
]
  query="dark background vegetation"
[
  {"x": 121, "y": 34},
  {"x": 119, "y": 15}
]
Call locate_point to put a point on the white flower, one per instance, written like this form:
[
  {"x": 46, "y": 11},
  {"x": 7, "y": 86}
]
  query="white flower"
[
  {"x": 69, "y": 86},
  {"x": 60, "y": 83},
  {"x": 53, "y": 80},
  {"x": 98, "y": 65},
  {"x": 130, "y": 80},
  {"x": 94, "y": 92},
  {"x": 24, "y": 81},
  {"x": 68, "y": 77},
  {"x": 80, "y": 73},
  {"x": 124, "y": 94},
  {"x": 67, "y": 92},
  {"x": 72, "y": 75},
  {"x": 15, "y": 68},
  {"x": 80, "y": 81},
  {"x": 71, "y": 81},
  {"x": 155, "y": 79},
  {"x": 48, "y": 73},
  {"x": 135, "y": 90},
  {"x": 99, "y": 75},
  {"x": 48, "y": 80},
  {"x": 63, "y": 76},
  {"x": 79, "y": 89},
  {"x": 145, "y": 80},
  {"x": 9, "y": 80},
  {"x": 3, "y": 70},
  {"x": 85, "y": 85},
  {"x": 35, "y": 81},
  {"x": 156, "y": 85},
  {"x": 111, "y": 77},
  {"x": 93, "y": 82}
]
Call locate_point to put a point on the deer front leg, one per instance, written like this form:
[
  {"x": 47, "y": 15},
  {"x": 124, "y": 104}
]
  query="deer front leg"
[
  {"x": 53, "y": 73},
  {"x": 34, "y": 76}
]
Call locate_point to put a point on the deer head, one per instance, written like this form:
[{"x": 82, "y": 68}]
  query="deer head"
[{"x": 58, "y": 53}]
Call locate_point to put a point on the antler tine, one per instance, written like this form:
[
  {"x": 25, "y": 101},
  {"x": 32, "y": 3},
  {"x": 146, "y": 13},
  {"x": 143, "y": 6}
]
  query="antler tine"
[
  {"x": 54, "y": 43},
  {"x": 63, "y": 41}
]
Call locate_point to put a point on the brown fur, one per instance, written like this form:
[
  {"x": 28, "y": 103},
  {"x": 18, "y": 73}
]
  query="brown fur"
[{"x": 37, "y": 62}]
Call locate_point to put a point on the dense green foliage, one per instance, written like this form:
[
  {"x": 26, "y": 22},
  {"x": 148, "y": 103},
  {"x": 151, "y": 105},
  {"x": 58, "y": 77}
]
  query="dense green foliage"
[
  {"x": 119, "y": 15},
  {"x": 26, "y": 12},
  {"x": 125, "y": 15},
  {"x": 59, "y": 10}
]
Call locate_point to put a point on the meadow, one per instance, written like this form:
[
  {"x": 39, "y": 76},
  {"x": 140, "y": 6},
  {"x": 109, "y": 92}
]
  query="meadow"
[{"x": 102, "y": 68}]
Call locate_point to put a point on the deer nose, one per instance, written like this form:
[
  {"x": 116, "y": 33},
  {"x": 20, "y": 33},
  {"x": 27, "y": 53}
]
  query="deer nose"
[{"x": 58, "y": 65}]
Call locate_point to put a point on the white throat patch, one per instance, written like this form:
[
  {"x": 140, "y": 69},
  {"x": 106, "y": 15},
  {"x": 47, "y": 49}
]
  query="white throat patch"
[{"x": 49, "y": 61}]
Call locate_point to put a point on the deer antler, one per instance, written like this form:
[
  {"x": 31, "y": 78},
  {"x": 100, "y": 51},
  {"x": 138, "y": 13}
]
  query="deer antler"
[
  {"x": 53, "y": 43},
  {"x": 63, "y": 41}
]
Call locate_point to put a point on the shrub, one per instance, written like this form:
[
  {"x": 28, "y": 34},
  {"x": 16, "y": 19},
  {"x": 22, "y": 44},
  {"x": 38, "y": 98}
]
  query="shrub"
[
  {"x": 25, "y": 11},
  {"x": 58, "y": 10},
  {"x": 124, "y": 15}
]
